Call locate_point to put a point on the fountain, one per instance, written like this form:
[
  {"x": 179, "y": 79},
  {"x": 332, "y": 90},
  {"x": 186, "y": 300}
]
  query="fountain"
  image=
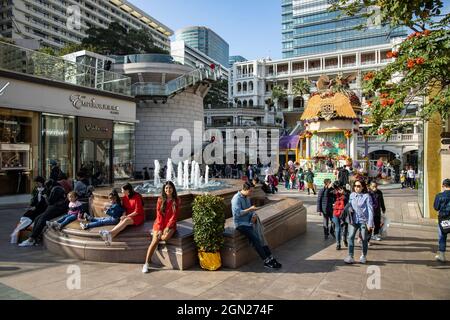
[
  {"x": 169, "y": 170},
  {"x": 180, "y": 174},
  {"x": 192, "y": 172},
  {"x": 186, "y": 175},
  {"x": 156, "y": 179},
  {"x": 207, "y": 174}
]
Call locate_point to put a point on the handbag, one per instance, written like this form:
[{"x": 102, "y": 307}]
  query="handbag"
[
  {"x": 444, "y": 224},
  {"x": 347, "y": 215}
]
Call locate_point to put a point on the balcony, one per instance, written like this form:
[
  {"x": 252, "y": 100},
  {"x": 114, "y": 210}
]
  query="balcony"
[
  {"x": 395, "y": 138},
  {"x": 41, "y": 65}
]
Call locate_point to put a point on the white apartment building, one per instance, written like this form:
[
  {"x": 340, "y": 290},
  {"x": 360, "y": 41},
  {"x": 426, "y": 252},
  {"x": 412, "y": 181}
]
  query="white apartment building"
[
  {"x": 251, "y": 84},
  {"x": 54, "y": 22}
]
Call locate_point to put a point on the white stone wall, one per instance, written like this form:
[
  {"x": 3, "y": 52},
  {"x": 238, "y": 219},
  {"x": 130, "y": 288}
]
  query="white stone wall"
[{"x": 158, "y": 121}]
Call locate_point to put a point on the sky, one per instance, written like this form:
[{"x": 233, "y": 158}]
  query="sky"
[{"x": 252, "y": 28}]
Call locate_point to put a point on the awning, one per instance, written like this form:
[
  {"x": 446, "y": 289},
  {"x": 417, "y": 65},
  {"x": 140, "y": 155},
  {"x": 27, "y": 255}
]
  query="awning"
[{"x": 289, "y": 142}]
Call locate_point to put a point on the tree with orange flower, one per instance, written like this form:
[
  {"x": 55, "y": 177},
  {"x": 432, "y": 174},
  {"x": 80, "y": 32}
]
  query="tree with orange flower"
[{"x": 420, "y": 66}]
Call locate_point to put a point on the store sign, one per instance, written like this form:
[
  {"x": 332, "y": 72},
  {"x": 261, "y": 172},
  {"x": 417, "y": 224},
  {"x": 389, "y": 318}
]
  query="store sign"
[
  {"x": 90, "y": 128},
  {"x": 79, "y": 101},
  {"x": 3, "y": 88}
]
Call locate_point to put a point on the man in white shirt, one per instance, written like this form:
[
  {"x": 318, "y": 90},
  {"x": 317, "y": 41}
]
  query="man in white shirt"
[{"x": 411, "y": 175}]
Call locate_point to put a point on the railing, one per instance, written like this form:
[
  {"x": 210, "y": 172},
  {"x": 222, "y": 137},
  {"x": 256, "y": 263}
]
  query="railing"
[
  {"x": 38, "y": 64},
  {"x": 175, "y": 85},
  {"x": 407, "y": 137}
]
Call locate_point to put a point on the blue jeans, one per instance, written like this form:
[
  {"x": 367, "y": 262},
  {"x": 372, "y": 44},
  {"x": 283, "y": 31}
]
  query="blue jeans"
[
  {"x": 340, "y": 229},
  {"x": 263, "y": 251},
  {"x": 98, "y": 222},
  {"x": 352, "y": 230},
  {"x": 442, "y": 240},
  {"x": 66, "y": 219}
]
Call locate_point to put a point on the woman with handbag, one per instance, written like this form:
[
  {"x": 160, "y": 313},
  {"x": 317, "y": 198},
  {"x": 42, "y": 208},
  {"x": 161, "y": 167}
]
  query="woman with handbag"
[
  {"x": 442, "y": 205},
  {"x": 360, "y": 218}
]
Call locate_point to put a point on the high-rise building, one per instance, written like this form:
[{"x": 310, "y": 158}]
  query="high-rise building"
[
  {"x": 207, "y": 41},
  {"x": 309, "y": 28},
  {"x": 234, "y": 59},
  {"x": 56, "y": 23}
]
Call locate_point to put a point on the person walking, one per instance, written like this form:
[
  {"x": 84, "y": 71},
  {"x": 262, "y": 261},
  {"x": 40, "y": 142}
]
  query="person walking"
[
  {"x": 341, "y": 198},
  {"x": 325, "y": 202},
  {"x": 379, "y": 208},
  {"x": 411, "y": 178},
  {"x": 360, "y": 218},
  {"x": 442, "y": 205},
  {"x": 309, "y": 179}
]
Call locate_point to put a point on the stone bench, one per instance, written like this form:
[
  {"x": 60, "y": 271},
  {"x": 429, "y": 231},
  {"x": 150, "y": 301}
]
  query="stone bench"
[{"x": 283, "y": 220}]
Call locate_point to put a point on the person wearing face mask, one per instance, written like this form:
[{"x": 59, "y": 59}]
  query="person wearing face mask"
[{"x": 378, "y": 209}]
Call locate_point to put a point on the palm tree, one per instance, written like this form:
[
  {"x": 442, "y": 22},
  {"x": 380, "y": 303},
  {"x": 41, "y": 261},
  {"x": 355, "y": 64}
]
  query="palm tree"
[
  {"x": 278, "y": 93},
  {"x": 301, "y": 87}
]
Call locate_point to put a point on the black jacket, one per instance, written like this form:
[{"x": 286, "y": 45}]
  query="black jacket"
[
  {"x": 343, "y": 176},
  {"x": 325, "y": 201},
  {"x": 57, "y": 196},
  {"x": 378, "y": 200},
  {"x": 442, "y": 203}
]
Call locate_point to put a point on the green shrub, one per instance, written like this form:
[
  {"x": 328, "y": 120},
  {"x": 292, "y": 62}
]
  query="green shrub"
[{"x": 208, "y": 215}]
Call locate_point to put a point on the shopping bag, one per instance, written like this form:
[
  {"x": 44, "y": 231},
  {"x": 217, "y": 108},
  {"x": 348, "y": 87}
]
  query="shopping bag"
[
  {"x": 384, "y": 225},
  {"x": 444, "y": 224}
]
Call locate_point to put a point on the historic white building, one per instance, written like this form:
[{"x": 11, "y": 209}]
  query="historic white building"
[{"x": 251, "y": 84}]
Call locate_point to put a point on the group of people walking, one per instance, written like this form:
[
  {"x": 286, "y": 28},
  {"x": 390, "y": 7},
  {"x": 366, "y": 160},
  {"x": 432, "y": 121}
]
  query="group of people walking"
[{"x": 347, "y": 215}]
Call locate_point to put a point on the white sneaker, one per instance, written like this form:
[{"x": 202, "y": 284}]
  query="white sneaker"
[
  {"x": 349, "y": 260},
  {"x": 440, "y": 256},
  {"x": 363, "y": 259},
  {"x": 106, "y": 236},
  {"x": 27, "y": 243},
  {"x": 145, "y": 268},
  {"x": 377, "y": 237},
  {"x": 83, "y": 226}
]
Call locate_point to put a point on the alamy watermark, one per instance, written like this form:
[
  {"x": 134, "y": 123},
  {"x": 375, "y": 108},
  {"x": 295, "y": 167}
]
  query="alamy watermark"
[
  {"x": 374, "y": 278},
  {"x": 238, "y": 146},
  {"x": 73, "y": 281}
]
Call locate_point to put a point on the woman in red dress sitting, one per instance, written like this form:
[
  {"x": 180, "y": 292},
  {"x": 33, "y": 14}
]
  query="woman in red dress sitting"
[
  {"x": 133, "y": 215},
  {"x": 167, "y": 212}
]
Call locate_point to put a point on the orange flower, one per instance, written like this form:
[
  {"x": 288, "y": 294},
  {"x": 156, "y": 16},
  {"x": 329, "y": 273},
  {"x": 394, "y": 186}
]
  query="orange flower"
[
  {"x": 395, "y": 54},
  {"x": 411, "y": 63},
  {"x": 420, "y": 60},
  {"x": 381, "y": 131},
  {"x": 426, "y": 32},
  {"x": 368, "y": 76},
  {"x": 417, "y": 34},
  {"x": 391, "y": 101},
  {"x": 389, "y": 54},
  {"x": 369, "y": 103},
  {"x": 384, "y": 103},
  {"x": 384, "y": 95}
]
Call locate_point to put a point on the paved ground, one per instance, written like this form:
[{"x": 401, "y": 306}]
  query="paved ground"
[{"x": 312, "y": 268}]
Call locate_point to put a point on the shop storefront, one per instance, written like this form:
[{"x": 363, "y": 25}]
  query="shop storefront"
[{"x": 81, "y": 129}]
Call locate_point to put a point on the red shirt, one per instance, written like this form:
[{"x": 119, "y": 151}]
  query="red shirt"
[
  {"x": 134, "y": 204},
  {"x": 167, "y": 219},
  {"x": 339, "y": 205}
]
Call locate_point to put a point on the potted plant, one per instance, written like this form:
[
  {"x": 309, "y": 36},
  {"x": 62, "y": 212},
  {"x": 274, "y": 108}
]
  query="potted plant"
[{"x": 208, "y": 215}]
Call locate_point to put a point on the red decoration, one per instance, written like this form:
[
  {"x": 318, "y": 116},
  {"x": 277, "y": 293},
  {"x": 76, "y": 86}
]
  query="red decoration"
[{"x": 212, "y": 66}]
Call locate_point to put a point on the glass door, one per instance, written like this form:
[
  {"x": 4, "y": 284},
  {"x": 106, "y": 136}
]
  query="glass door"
[{"x": 95, "y": 161}]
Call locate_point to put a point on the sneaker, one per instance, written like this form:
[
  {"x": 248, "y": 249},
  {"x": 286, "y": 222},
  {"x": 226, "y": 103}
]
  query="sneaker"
[
  {"x": 377, "y": 237},
  {"x": 440, "y": 256},
  {"x": 83, "y": 226},
  {"x": 363, "y": 259},
  {"x": 349, "y": 260},
  {"x": 272, "y": 264},
  {"x": 106, "y": 236},
  {"x": 345, "y": 243},
  {"x": 145, "y": 268},
  {"x": 27, "y": 243},
  {"x": 338, "y": 247}
]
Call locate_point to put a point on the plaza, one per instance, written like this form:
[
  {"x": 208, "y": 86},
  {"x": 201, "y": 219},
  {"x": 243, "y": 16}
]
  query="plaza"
[{"x": 312, "y": 268}]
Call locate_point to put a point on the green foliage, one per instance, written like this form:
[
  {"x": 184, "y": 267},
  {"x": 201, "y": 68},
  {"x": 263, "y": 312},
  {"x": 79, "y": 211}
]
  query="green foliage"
[
  {"x": 217, "y": 94},
  {"x": 278, "y": 92},
  {"x": 420, "y": 70},
  {"x": 117, "y": 40},
  {"x": 77, "y": 47},
  {"x": 301, "y": 87},
  {"x": 208, "y": 215},
  {"x": 48, "y": 50}
]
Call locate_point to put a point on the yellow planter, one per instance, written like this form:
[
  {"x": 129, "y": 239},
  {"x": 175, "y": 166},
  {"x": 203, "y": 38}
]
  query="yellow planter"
[{"x": 209, "y": 260}]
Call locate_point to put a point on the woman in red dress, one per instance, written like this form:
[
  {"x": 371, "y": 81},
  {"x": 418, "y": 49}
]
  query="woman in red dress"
[
  {"x": 167, "y": 212},
  {"x": 133, "y": 215}
]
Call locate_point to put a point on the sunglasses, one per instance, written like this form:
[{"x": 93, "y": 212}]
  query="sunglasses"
[{"x": 358, "y": 186}]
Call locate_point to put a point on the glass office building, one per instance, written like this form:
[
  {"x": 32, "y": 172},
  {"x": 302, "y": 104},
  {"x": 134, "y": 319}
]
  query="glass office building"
[
  {"x": 207, "y": 41},
  {"x": 309, "y": 28},
  {"x": 234, "y": 59}
]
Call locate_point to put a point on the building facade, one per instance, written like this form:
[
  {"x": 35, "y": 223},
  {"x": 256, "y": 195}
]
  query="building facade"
[
  {"x": 234, "y": 59},
  {"x": 309, "y": 28},
  {"x": 207, "y": 41},
  {"x": 251, "y": 86},
  {"x": 75, "y": 123},
  {"x": 59, "y": 23}
]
